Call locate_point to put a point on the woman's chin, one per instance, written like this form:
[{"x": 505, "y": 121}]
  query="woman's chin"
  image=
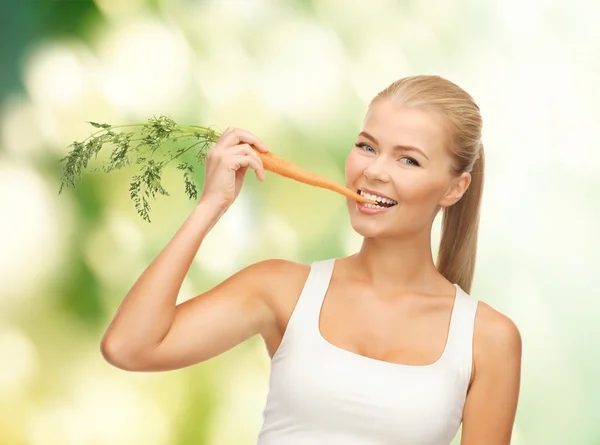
[{"x": 368, "y": 229}]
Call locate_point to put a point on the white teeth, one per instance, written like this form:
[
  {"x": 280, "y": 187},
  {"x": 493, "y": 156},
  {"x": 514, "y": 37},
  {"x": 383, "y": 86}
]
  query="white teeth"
[{"x": 377, "y": 198}]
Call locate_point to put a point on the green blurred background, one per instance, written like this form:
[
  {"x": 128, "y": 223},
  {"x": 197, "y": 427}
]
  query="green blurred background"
[{"x": 299, "y": 74}]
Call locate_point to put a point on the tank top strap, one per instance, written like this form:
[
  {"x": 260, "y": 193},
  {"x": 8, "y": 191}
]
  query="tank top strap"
[{"x": 460, "y": 336}]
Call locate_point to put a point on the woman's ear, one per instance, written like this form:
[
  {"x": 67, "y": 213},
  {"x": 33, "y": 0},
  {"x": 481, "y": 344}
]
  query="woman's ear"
[{"x": 456, "y": 190}]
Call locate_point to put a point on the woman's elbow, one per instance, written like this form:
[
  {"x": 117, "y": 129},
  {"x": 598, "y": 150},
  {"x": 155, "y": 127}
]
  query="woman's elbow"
[{"x": 118, "y": 355}]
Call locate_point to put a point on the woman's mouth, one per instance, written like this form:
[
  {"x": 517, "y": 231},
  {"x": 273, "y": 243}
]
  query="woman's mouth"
[{"x": 372, "y": 209}]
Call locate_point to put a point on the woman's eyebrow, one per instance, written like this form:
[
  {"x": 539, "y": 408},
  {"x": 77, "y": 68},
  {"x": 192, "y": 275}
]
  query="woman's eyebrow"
[{"x": 396, "y": 147}]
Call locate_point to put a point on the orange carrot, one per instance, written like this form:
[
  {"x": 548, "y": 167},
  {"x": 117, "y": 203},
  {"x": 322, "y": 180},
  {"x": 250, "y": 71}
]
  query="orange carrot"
[{"x": 283, "y": 167}]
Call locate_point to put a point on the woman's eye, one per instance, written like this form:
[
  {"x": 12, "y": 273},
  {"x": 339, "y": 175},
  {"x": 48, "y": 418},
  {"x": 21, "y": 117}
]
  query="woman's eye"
[
  {"x": 363, "y": 145},
  {"x": 413, "y": 161}
]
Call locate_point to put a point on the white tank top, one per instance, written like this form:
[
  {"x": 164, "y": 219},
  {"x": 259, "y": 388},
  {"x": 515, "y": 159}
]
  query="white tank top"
[{"x": 322, "y": 394}]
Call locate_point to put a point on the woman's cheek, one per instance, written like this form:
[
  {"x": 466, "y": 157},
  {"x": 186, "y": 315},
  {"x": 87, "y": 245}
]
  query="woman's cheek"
[
  {"x": 355, "y": 165},
  {"x": 414, "y": 189}
]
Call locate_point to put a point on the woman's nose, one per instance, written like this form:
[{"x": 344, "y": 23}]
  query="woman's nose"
[{"x": 376, "y": 171}]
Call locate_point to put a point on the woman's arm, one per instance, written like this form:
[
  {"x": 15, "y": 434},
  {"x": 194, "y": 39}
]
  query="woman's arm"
[
  {"x": 149, "y": 332},
  {"x": 491, "y": 404}
]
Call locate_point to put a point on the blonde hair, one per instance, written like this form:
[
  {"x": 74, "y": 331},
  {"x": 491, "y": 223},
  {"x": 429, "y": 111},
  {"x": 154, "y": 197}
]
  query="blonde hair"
[{"x": 458, "y": 245}]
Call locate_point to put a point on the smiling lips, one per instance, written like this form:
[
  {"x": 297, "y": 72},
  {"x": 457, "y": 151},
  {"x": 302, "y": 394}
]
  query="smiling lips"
[{"x": 383, "y": 200}]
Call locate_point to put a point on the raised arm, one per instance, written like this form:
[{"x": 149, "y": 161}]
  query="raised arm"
[{"x": 149, "y": 332}]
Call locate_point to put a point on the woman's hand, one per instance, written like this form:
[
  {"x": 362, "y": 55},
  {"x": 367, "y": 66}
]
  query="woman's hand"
[{"x": 227, "y": 163}]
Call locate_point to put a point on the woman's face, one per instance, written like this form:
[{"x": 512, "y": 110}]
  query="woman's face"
[{"x": 400, "y": 153}]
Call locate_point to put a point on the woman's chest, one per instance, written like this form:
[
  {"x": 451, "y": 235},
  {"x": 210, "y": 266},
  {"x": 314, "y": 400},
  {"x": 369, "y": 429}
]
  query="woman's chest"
[
  {"x": 409, "y": 331},
  {"x": 331, "y": 390}
]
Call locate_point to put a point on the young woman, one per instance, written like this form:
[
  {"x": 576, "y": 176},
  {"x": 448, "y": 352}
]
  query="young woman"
[{"x": 381, "y": 347}]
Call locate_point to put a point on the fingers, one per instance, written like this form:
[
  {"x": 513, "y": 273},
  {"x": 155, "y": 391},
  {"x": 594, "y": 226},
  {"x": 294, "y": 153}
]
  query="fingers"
[
  {"x": 247, "y": 150},
  {"x": 237, "y": 162},
  {"x": 235, "y": 136},
  {"x": 235, "y": 142}
]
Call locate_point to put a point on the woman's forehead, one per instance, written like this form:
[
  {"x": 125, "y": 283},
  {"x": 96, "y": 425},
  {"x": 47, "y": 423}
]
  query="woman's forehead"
[{"x": 391, "y": 125}]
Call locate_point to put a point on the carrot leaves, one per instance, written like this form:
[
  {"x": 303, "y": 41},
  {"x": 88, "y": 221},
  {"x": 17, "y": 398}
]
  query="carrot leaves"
[{"x": 150, "y": 145}]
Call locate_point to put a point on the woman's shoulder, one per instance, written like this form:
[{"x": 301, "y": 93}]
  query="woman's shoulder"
[
  {"x": 496, "y": 337},
  {"x": 493, "y": 326},
  {"x": 281, "y": 269},
  {"x": 281, "y": 282},
  {"x": 280, "y": 278}
]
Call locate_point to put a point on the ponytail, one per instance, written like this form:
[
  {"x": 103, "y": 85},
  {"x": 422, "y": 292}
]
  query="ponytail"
[{"x": 458, "y": 244}]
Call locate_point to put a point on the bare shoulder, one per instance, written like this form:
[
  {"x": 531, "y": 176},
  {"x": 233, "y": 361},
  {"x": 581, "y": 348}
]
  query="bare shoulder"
[
  {"x": 279, "y": 283},
  {"x": 283, "y": 281},
  {"x": 492, "y": 398},
  {"x": 496, "y": 337},
  {"x": 493, "y": 328},
  {"x": 276, "y": 276}
]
